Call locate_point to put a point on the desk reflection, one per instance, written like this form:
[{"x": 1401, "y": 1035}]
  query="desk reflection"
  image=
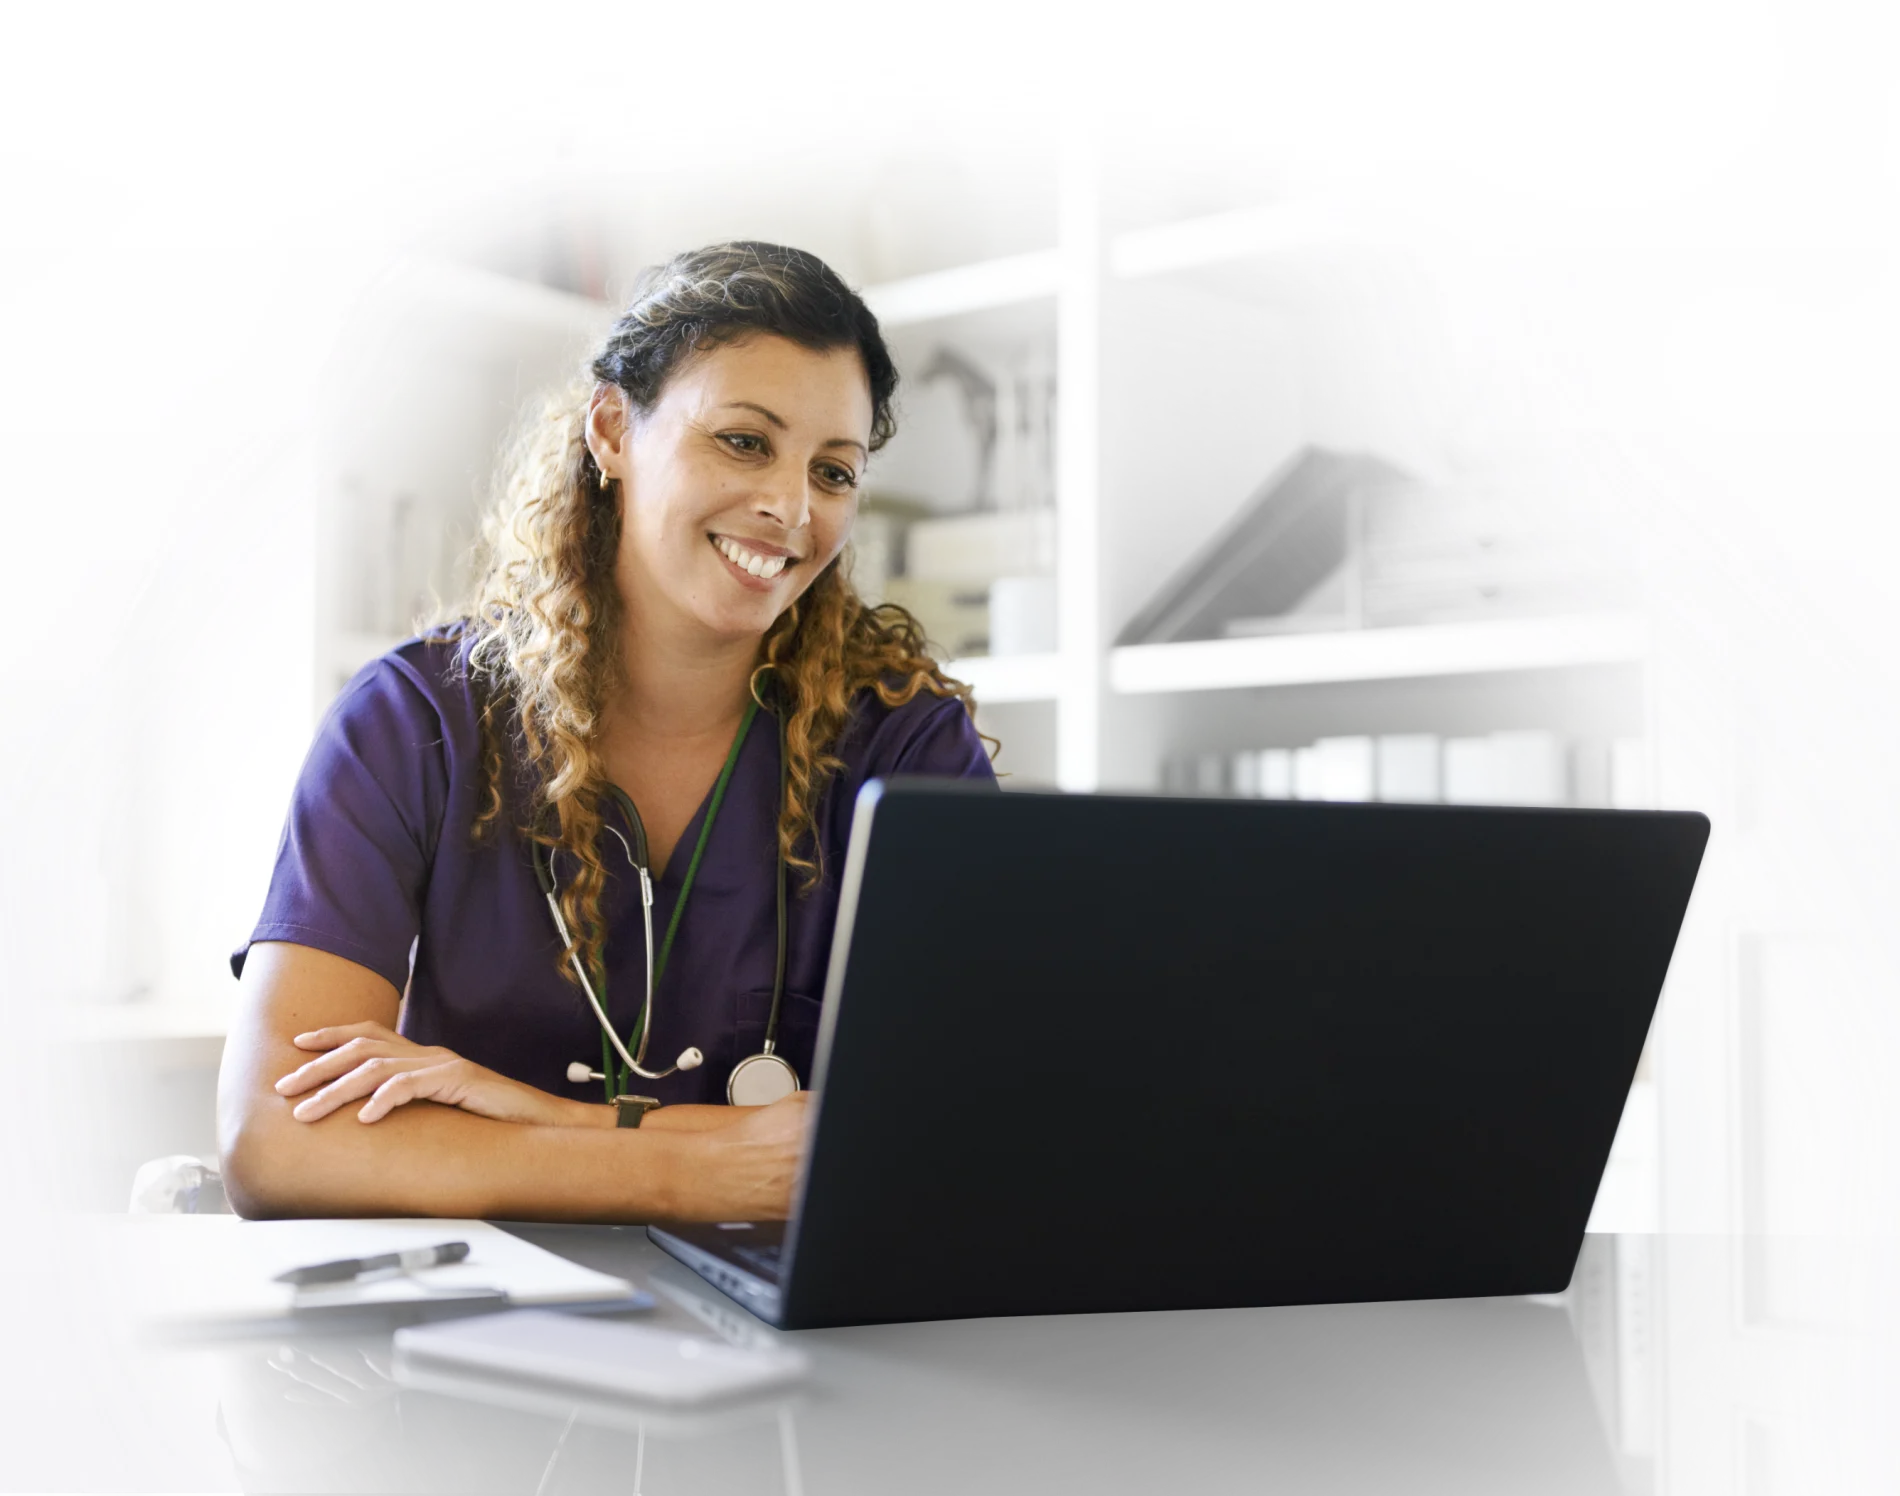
[{"x": 1472, "y": 1396}]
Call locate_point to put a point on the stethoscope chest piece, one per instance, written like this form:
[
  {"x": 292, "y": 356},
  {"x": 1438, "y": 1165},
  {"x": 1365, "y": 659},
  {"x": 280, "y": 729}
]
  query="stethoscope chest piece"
[{"x": 760, "y": 1080}]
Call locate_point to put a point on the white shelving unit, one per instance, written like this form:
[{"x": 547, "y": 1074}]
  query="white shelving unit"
[
  {"x": 1009, "y": 680},
  {"x": 484, "y": 296},
  {"x": 204, "y": 1023},
  {"x": 1069, "y": 284},
  {"x": 1220, "y": 238},
  {"x": 1144, "y": 294},
  {"x": 432, "y": 374},
  {"x": 171, "y": 1035},
  {"x": 1077, "y": 275},
  {"x": 1494, "y": 645},
  {"x": 985, "y": 286}
]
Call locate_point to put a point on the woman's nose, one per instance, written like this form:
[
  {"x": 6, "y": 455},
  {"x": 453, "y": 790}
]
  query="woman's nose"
[{"x": 787, "y": 499}]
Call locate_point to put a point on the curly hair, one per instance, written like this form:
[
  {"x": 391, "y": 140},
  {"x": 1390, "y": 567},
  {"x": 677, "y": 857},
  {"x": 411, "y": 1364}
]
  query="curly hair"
[{"x": 544, "y": 624}]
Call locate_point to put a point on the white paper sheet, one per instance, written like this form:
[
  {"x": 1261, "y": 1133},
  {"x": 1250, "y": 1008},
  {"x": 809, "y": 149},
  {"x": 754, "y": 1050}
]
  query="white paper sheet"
[{"x": 204, "y": 1271}]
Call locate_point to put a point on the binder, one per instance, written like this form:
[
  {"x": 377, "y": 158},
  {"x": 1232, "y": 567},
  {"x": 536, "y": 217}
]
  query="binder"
[{"x": 1294, "y": 532}]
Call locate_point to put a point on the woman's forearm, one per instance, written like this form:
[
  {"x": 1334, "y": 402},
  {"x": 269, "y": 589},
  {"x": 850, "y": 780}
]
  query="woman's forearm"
[
  {"x": 691, "y": 1118},
  {"x": 426, "y": 1159},
  {"x": 687, "y": 1117},
  {"x": 434, "y": 1160}
]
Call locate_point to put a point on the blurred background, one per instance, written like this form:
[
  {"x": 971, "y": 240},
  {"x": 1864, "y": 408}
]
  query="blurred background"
[{"x": 1478, "y": 403}]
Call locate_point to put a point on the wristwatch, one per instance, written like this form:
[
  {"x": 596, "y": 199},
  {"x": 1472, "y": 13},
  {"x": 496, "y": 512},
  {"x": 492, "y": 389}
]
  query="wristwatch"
[{"x": 632, "y": 1109}]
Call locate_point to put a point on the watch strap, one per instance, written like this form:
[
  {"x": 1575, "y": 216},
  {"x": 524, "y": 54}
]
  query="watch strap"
[{"x": 633, "y": 1109}]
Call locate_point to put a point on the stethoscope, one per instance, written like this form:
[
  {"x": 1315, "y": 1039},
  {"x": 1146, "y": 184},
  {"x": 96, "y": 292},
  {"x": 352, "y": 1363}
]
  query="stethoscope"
[{"x": 758, "y": 1079}]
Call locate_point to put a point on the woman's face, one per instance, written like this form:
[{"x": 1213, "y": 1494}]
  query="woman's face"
[{"x": 739, "y": 487}]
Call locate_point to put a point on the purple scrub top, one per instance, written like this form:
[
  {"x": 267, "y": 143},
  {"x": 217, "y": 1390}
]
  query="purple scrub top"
[{"x": 377, "y": 859}]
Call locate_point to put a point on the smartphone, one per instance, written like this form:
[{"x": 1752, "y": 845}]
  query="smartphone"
[
  {"x": 638, "y": 1361},
  {"x": 740, "y": 1417}
]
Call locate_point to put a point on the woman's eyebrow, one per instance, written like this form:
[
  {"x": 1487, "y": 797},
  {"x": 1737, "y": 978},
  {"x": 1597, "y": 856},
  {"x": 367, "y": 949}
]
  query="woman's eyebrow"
[{"x": 836, "y": 441}]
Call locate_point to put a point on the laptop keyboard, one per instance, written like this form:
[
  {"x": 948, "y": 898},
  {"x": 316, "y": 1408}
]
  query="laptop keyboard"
[{"x": 762, "y": 1260}]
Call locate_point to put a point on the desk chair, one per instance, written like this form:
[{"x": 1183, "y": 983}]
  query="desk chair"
[{"x": 178, "y": 1184}]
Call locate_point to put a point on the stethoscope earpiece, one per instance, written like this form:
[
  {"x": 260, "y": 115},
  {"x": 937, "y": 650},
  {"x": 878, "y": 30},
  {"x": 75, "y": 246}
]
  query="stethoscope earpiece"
[{"x": 579, "y": 1074}]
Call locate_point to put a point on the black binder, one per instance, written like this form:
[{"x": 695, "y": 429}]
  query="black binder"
[{"x": 1295, "y": 531}]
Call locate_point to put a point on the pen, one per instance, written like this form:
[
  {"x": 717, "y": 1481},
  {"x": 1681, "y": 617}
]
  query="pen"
[{"x": 345, "y": 1268}]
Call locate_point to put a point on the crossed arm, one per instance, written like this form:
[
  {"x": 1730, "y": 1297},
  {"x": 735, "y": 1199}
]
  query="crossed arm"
[{"x": 323, "y": 1110}]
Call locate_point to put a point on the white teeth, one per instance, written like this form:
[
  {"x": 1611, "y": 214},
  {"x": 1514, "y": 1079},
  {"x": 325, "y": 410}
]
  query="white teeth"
[{"x": 765, "y": 567}]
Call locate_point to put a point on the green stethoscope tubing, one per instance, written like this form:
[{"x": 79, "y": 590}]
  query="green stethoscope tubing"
[
  {"x": 636, "y": 1040},
  {"x": 617, "y": 1077}
]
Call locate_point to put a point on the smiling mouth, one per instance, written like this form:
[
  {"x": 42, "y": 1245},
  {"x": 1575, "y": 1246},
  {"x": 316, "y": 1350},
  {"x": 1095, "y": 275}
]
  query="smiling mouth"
[{"x": 765, "y": 568}]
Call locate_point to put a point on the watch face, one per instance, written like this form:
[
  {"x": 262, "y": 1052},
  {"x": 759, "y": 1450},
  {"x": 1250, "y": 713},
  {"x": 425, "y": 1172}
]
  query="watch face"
[
  {"x": 760, "y": 1080},
  {"x": 632, "y": 1108}
]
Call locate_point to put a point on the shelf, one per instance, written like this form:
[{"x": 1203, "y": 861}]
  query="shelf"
[
  {"x": 1004, "y": 281},
  {"x": 967, "y": 288},
  {"x": 1222, "y": 237},
  {"x": 473, "y": 290},
  {"x": 999, "y": 679},
  {"x": 201, "y": 1022},
  {"x": 168, "y": 1035},
  {"x": 1381, "y": 654}
]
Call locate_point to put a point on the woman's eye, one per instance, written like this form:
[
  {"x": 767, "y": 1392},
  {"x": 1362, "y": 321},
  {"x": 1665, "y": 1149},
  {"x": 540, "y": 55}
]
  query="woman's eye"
[{"x": 840, "y": 478}]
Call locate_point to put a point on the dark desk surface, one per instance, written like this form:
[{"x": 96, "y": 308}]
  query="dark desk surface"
[{"x": 1640, "y": 1379}]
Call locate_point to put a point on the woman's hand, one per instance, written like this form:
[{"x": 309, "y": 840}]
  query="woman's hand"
[
  {"x": 367, "y": 1059},
  {"x": 753, "y": 1162}
]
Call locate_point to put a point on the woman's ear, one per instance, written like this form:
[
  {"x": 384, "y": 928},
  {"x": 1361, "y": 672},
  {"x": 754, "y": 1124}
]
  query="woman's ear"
[{"x": 607, "y": 430}]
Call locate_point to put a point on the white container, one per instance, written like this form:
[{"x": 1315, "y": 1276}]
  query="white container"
[
  {"x": 1345, "y": 768},
  {"x": 1022, "y": 615},
  {"x": 976, "y": 549},
  {"x": 1276, "y": 773},
  {"x": 1308, "y": 774},
  {"x": 1408, "y": 768},
  {"x": 1529, "y": 768},
  {"x": 1470, "y": 778}
]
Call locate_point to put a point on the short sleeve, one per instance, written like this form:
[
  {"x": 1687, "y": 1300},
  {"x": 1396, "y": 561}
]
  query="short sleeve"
[
  {"x": 939, "y": 740},
  {"x": 353, "y": 864}
]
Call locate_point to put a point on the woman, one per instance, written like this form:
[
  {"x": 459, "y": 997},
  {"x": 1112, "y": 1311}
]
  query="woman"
[{"x": 664, "y": 607}]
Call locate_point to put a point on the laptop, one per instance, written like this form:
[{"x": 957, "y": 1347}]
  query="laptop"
[{"x": 1112, "y": 1052}]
